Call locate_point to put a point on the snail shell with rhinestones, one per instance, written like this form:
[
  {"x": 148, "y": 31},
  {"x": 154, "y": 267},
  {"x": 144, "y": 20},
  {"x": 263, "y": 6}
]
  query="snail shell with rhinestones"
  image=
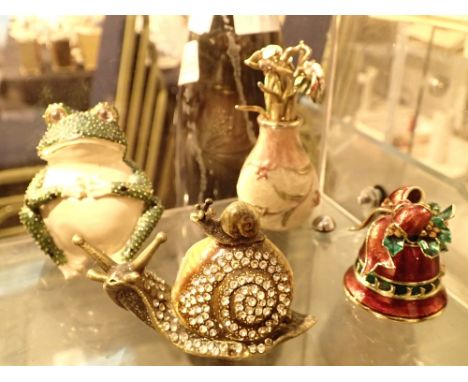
[{"x": 234, "y": 284}]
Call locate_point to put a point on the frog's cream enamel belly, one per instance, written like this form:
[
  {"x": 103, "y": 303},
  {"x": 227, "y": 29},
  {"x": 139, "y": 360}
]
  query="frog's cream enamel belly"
[{"x": 105, "y": 220}]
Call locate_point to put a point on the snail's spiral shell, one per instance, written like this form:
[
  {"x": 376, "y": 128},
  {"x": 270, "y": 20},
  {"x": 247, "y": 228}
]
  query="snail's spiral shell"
[
  {"x": 238, "y": 295},
  {"x": 239, "y": 220}
]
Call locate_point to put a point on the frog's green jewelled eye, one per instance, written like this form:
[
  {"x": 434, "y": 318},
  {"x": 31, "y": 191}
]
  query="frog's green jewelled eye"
[
  {"x": 55, "y": 112},
  {"x": 106, "y": 112}
]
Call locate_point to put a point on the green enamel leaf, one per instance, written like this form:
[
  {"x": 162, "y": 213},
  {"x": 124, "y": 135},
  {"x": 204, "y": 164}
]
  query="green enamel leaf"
[
  {"x": 445, "y": 235},
  {"x": 447, "y": 213},
  {"x": 434, "y": 207},
  {"x": 430, "y": 248},
  {"x": 443, "y": 246},
  {"x": 394, "y": 244},
  {"x": 438, "y": 222}
]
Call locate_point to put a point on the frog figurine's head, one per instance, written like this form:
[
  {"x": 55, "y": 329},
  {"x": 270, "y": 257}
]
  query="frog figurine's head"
[{"x": 75, "y": 134}]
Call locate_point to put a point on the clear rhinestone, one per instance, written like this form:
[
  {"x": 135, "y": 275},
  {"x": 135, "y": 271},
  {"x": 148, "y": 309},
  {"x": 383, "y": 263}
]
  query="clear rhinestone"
[
  {"x": 203, "y": 329},
  {"x": 203, "y": 349},
  {"x": 155, "y": 303},
  {"x": 213, "y": 332},
  {"x": 243, "y": 332},
  {"x": 268, "y": 341},
  {"x": 209, "y": 324},
  {"x": 252, "y": 333},
  {"x": 166, "y": 326},
  {"x": 196, "y": 343},
  {"x": 227, "y": 268},
  {"x": 276, "y": 277},
  {"x": 225, "y": 313},
  {"x": 228, "y": 256},
  {"x": 237, "y": 347},
  {"x": 233, "y": 284},
  {"x": 245, "y": 261},
  {"x": 251, "y": 301},
  {"x": 219, "y": 276},
  {"x": 221, "y": 262},
  {"x": 239, "y": 297},
  {"x": 254, "y": 264},
  {"x": 258, "y": 255},
  {"x": 261, "y": 348},
  {"x": 225, "y": 301},
  {"x": 239, "y": 307},
  {"x": 273, "y": 261},
  {"x": 258, "y": 311},
  {"x": 183, "y": 336},
  {"x": 235, "y": 264},
  {"x": 249, "y": 252},
  {"x": 261, "y": 295},
  {"x": 252, "y": 349},
  {"x": 174, "y": 337},
  {"x": 271, "y": 302},
  {"x": 238, "y": 255},
  {"x": 263, "y": 264},
  {"x": 266, "y": 311}
]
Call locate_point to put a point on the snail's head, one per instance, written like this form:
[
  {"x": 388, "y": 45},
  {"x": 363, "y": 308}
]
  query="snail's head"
[{"x": 119, "y": 280}]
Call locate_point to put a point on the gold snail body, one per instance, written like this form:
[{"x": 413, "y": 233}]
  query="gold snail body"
[{"x": 232, "y": 295}]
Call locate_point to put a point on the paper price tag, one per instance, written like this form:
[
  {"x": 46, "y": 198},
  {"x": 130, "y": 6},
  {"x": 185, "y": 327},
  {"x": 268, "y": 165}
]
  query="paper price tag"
[
  {"x": 189, "y": 66},
  {"x": 200, "y": 23},
  {"x": 256, "y": 24}
]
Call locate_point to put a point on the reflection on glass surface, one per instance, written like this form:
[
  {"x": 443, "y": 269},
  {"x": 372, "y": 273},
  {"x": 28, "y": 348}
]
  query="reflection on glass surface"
[
  {"x": 58, "y": 322},
  {"x": 404, "y": 81}
]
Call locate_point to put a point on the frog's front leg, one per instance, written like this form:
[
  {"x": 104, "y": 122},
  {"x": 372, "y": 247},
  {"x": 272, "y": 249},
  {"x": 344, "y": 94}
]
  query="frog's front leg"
[
  {"x": 34, "y": 223},
  {"x": 143, "y": 228}
]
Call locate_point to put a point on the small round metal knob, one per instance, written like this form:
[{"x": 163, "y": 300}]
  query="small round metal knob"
[{"x": 324, "y": 223}]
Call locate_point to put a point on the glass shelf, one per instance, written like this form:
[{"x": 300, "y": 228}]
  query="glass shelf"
[{"x": 47, "y": 321}]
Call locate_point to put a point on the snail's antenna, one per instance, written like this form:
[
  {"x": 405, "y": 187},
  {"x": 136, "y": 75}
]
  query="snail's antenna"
[
  {"x": 104, "y": 261},
  {"x": 140, "y": 262}
]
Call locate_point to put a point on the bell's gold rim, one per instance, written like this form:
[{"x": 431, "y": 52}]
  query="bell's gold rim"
[{"x": 379, "y": 315}]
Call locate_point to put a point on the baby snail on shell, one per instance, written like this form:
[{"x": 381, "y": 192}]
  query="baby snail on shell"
[{"x": 232, "y": 295}]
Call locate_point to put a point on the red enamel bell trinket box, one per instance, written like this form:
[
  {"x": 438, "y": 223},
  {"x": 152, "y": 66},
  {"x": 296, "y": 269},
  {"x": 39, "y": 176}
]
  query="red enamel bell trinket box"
[{"x": 397, "y": 273}]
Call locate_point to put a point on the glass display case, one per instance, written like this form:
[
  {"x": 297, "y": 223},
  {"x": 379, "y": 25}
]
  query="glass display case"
[{"x": 395, "y": 113}]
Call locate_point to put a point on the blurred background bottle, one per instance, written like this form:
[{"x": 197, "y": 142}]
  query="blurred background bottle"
[{"x": 212, "y": 138}]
